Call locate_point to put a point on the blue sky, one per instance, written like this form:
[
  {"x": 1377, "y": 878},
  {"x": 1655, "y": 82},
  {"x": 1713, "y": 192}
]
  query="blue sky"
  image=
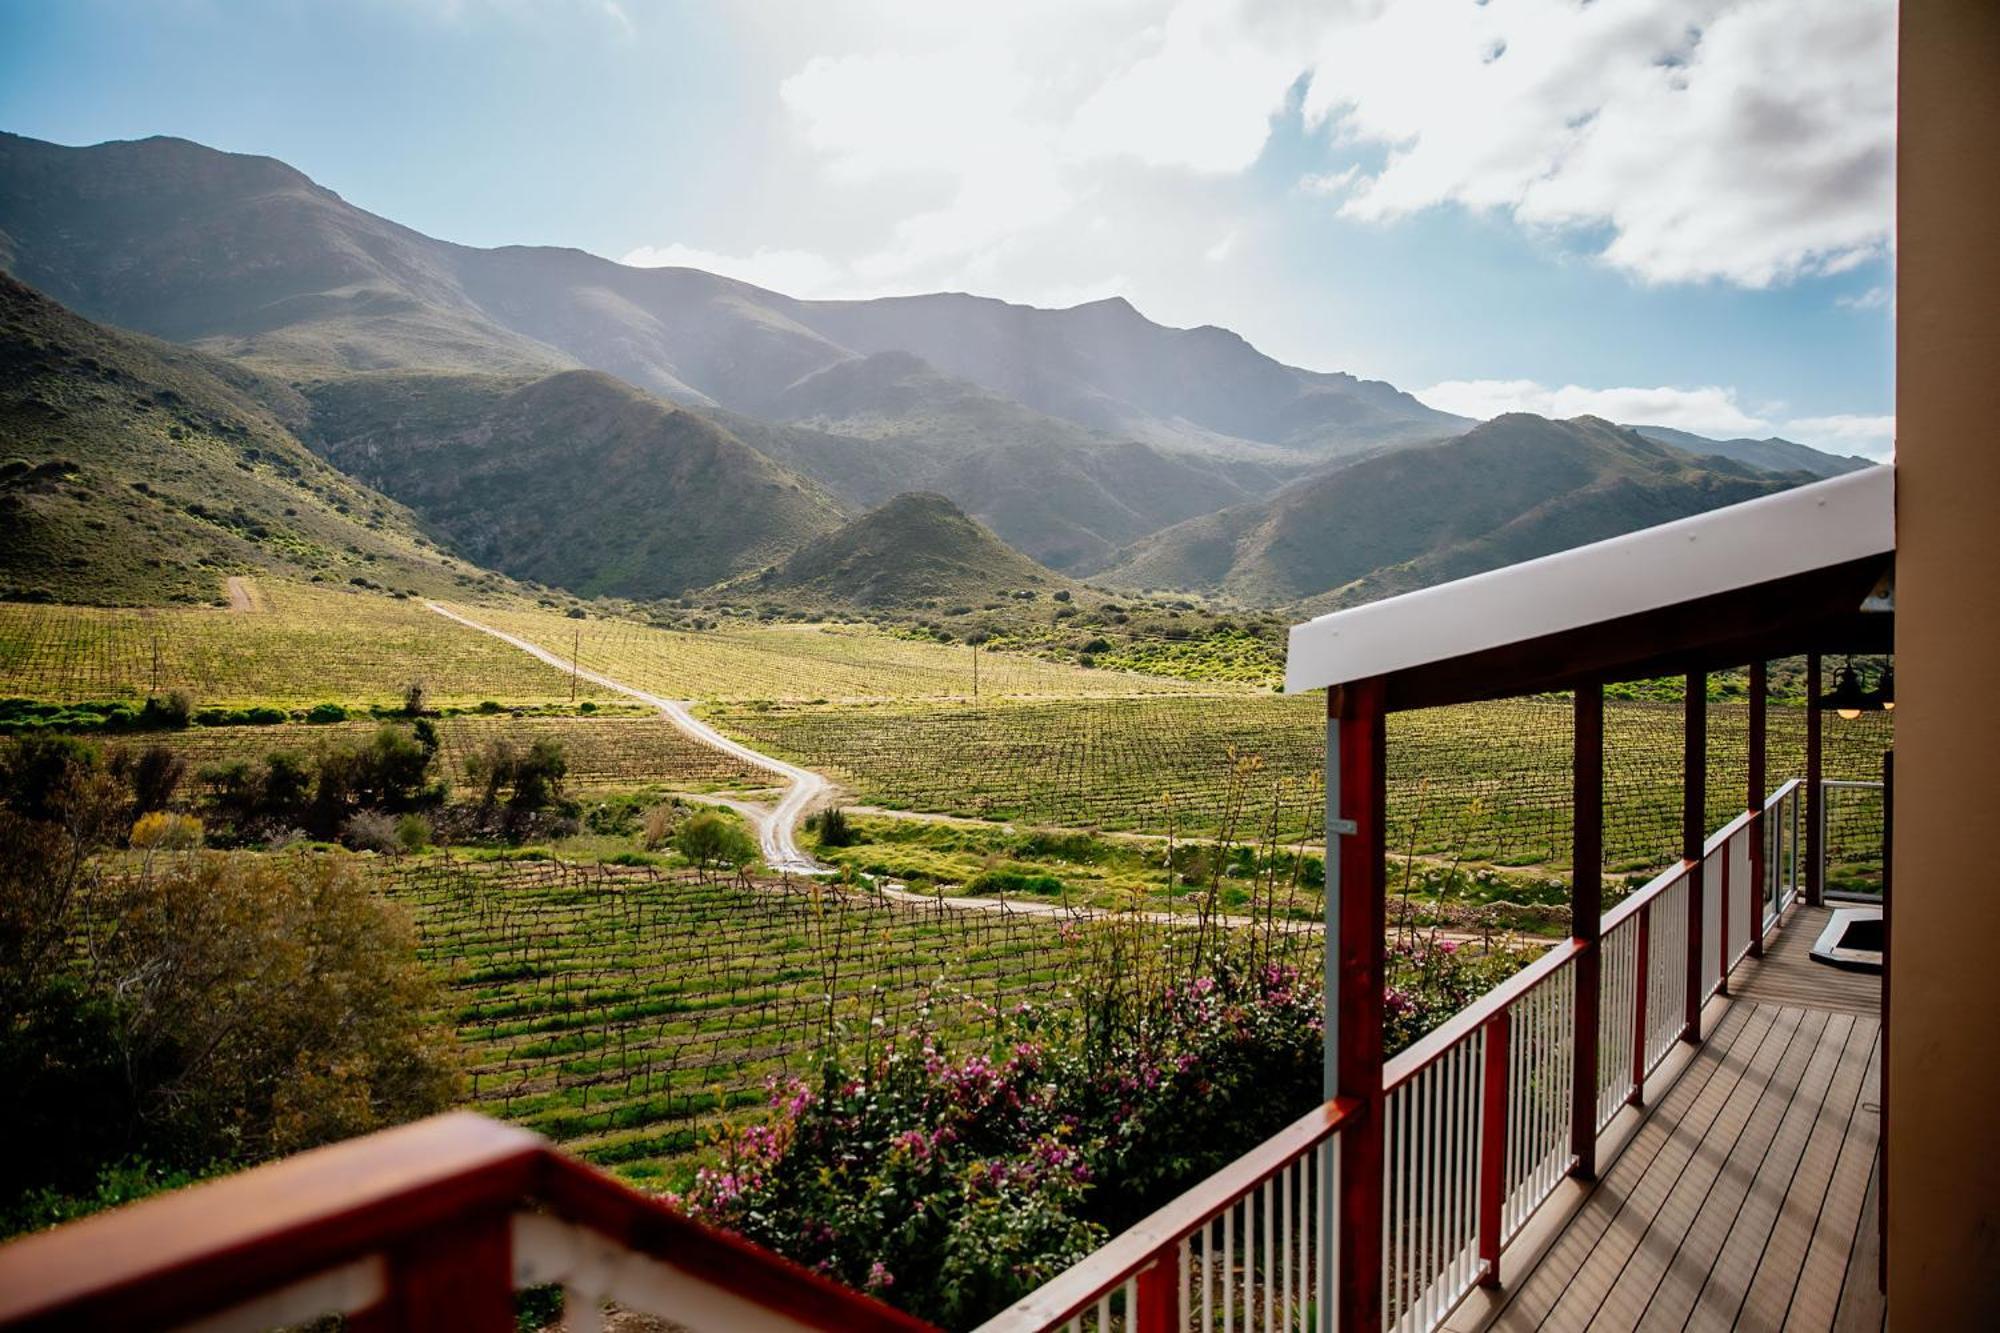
[{"x": 1661, "y": 210}]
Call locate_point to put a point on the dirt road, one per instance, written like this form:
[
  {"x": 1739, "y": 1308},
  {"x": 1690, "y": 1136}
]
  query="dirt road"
[{"x": 775, "y": 824}]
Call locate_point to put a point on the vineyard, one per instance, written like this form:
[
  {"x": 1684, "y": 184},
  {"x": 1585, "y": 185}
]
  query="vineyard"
[
  {"x": 604, "y": 752},
  {"x": 307, "y": 644},
  {"x": 1487, "y": 782},
  {"x": 620, "y": 1011},
  {"x": 738, "y": 661}
]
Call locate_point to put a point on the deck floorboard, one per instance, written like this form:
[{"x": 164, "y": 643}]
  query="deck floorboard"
[{"x": 1744, "y": 1200}]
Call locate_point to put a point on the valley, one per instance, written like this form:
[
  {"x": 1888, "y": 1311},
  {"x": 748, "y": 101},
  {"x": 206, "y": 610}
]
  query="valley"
[{"x": 709, "y": 686}]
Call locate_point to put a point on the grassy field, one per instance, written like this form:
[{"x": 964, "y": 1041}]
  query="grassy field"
[
  {"x": 1487, "y": 782},
  {"x": 746, "y": 661},
  {"x": 622, "y": 1011},
  {"x": 304, "y": 643}
]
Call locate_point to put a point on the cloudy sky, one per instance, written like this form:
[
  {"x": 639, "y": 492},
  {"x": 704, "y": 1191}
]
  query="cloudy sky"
[{"x": 1671, "y": 211}]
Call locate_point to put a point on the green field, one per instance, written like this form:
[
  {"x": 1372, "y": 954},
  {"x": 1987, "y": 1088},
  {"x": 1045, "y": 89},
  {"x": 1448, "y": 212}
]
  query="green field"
[
  {"x": 744, "y": 661},
  {"x": 610, "y": 751},
  {"x": 305, "y": 643},
  {"x": 621, "y": 1011},
  {"x": 1486, "y": 782}
]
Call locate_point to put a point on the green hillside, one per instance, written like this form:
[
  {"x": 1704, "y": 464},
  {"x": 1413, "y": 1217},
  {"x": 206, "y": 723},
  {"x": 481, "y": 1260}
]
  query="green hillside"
[
  {"x": 136, "y": 472},
  {"x": 918, "y": 549},
  {"x": 576, "y": 480},
  {"x": 1514, "y": 488}
]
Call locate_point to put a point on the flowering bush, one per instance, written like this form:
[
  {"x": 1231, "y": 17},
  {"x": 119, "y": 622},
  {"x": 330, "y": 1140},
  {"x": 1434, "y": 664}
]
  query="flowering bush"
[
  {"x": 946, "y": 1186},
  {"x": 952, "y": 1184},
  {"x": 1428, "y": 979}
]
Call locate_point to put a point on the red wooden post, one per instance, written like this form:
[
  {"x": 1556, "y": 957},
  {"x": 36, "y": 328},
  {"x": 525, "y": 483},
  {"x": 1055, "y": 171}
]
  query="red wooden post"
[
  {"x": 458, "y": 1276},
  {"x": 1586, "y": 924},
  {"x": 1361, "y": 772},
  {"x": 1815, "y": 794},
  {"x": 1160, "y": 1295},
  {"x": 1759, "y": 826},
  {"x": 1641, "y": 979},
  {"x": 1493, "y": 1144},
  {"x": 1694, "y": 820},
  {"x": 1888, "y": 939}
]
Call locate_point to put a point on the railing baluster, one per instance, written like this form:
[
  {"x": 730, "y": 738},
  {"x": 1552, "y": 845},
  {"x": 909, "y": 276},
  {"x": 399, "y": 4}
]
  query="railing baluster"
[
  {"x": 1493, "y": 1139},
  {"x": 1642, "y": 1040}
]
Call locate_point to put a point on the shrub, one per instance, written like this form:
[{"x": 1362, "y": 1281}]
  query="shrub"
[
  {"x": 389, "y": 771},
  {"x": 833, "y": 829},
  {"x": 240, "y": 1009},
  {"x": 413, "y": 699},
  {"x": 370, "y": 831},
  {"x": 164, "y": 832},
  {"x": 532, "y": 778},
  {"x": 155, "y": 774},
  {"x": 413, "y": 833},
  {"x": 658, "y": 830},
  {"x": 173, "y": 712},
  {"x": 709, "y": 841},
  {"x": 322, "y": 713}
]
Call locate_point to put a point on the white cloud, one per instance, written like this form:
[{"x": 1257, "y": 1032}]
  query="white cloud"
[
  {"x": 793, "y": 272},
  {"x": 1329, "y": 182},
  {"x": 1869, "y": 436},
  {"x": 1875, "y": 298},
  {"x": 1050, "y": 150},
  {"x": 1745, "y": 140},
  {"x": 1710, "y": 410},
  {"x": 1201, "y": 98}
]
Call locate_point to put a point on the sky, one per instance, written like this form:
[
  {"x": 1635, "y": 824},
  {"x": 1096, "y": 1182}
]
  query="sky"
[{"x": 1671, "y": 212}]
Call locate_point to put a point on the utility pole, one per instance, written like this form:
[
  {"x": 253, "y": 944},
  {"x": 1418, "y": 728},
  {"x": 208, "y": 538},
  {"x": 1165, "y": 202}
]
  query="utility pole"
[
  {"x": 575, "y": 646},
  {"x": 155, "y": 688},
  {"x": 975, "y": 671}
]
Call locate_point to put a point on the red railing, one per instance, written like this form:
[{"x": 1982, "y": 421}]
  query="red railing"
[
  {"x": 431, "y": 1226},
  {"x": 1478, "y": 1125}
]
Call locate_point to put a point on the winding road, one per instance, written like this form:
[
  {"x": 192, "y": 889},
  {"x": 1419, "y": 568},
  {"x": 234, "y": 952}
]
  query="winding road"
[{"x": 774, "y": 824}]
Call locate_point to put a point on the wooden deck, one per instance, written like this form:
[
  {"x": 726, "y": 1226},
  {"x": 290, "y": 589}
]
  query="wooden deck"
[{"x": 1744, "y": 1199}]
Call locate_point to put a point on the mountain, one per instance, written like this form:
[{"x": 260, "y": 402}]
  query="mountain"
[
  {"x": 574, "y": 479},
  {"x": 1772, "y": 455},
  {"x": 1516, "y": 487},
  {"x": 919, "y": 549},
  {"x": 873, "y": 427},
  {"x": 140, "y": 472},
  {"x": 246, "y": 256}
]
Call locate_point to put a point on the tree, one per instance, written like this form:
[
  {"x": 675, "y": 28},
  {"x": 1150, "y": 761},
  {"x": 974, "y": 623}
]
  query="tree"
[
  {"x": 226, "y": 1009},
  {"x": 708, "y": 840},
  {"x": 532, "y": 778}
]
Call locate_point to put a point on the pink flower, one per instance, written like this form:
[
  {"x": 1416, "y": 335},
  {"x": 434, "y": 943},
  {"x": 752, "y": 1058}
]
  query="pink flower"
[{"x": 879, "y": 1277}]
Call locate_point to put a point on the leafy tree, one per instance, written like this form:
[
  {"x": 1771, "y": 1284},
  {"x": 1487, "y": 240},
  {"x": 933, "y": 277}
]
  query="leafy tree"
[
  {"x": 389, "y": 771},
  {"x": 532, "y": 778},
  {"x": 709, "y": 841},
  {"x": 225, "y": 1009}
]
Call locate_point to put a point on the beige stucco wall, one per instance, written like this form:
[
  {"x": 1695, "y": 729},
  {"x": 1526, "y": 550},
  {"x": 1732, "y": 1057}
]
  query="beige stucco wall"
[{"x": 1944, "y": 1059}]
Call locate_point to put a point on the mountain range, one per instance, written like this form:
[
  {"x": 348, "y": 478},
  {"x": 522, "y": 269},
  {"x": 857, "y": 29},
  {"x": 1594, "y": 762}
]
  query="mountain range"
[{"x": 653, "y": 432}]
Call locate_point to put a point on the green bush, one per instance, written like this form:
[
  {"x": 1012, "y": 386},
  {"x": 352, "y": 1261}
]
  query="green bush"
[
  {"x": 323, "y": 713},
  {"x": 832, "y": 828},
  {"x": 710, "y": 841}
]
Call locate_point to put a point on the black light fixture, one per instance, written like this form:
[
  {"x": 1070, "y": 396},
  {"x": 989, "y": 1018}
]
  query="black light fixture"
[
  {"x": 1846, "y": 698},
  {"x": 1884, "y": 696}
]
